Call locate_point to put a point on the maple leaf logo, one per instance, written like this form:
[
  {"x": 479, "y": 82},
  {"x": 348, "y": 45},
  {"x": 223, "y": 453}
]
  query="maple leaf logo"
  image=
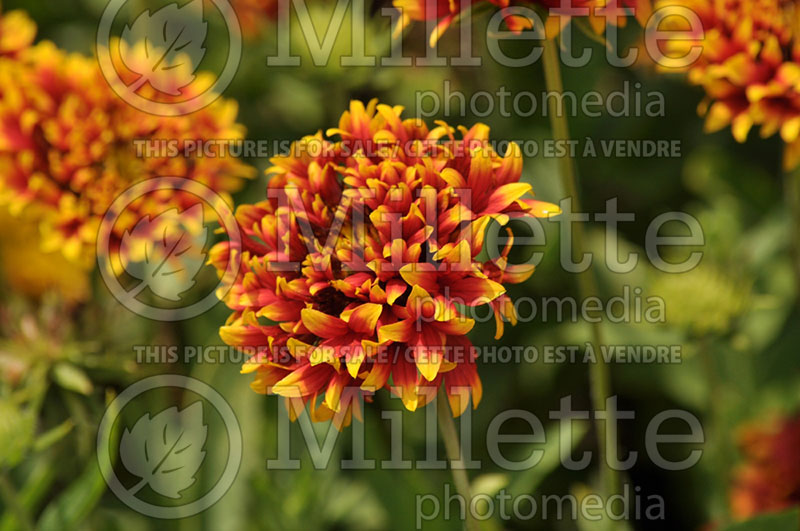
[
  {"x": 165, "y": 252},
  {"x": 169, "y": 46},
  {"x": 166, "y": 450}
]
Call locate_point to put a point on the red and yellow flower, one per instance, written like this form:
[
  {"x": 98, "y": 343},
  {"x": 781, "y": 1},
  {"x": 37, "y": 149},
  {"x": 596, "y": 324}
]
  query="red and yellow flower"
[
  {"x": 255, "y": 15},
  {"x": 598, "y": 12},
  {"x": 769, "y": 478},
  {"x": 17, "y": 32},
  {"x": 358, "y": 269},
  {"x": 28, "y": 271},
  {"x": 749, "y": 66}
]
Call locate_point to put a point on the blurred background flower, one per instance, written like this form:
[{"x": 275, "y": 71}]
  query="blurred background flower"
[
  {"x": 596, "y": 14},
  {"x": 768, "y": 480},
  {"x": 749, "y": 66},
  {"x": 67, "y": 148},
  {"x": 29, "y": 270},
  {"x": 255, "y": 16}
]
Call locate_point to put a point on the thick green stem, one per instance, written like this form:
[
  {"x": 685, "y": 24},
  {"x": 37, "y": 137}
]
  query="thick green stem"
[
  {"x": 599, "y": 374},
  {"x": 453, "y": 448}
]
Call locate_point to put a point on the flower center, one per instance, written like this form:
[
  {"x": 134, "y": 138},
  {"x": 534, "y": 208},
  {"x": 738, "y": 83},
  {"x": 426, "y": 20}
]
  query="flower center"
[{"x": 330, "y": 300}]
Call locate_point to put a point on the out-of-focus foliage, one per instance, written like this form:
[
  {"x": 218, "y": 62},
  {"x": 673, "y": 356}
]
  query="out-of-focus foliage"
[{"x": 63, "y": 356}]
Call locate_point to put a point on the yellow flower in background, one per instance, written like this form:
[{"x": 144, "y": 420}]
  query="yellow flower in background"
[
  {"x": 749, "y": 66},
  {"x": 68, "y": 148},
  {"x": 28, "y": 270},
  {"x": 17, "y": 32}
]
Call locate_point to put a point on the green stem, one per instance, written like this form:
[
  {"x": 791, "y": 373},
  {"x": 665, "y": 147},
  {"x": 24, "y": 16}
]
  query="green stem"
[
  {"x": 792, "y": 190},
  {"x": 453, "y": 448},
  {"x": 717, "y": 433},
  {"x": 599, "y": 374},
  {"x": 36, "y": 488},
  {"x": 13, "y": 505}
]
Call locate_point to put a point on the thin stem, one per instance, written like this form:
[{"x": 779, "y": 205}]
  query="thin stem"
[
  {"x": 599, "y": 374},
  {"x": 716, "y": 433},
  {"x": 453, "y": 448},
  {"x": 792, "y": 191}
]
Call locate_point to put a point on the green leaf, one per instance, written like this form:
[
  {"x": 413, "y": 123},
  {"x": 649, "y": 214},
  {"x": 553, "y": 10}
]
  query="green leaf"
[
  {"x": 72, "y": 378},
  {"x": 12, "y": 504},
  {"x": 16, "y": 433},
  {"x": 50, "y": 437},
  {"x": 69, "y": 509},
  {"x": 599, "y": 519},
  {"x": 76, "y": 503},
  {"x": 526, "y": 481},
  {"x": 784, "y": 521},
  {"x": 37, "y": 483},
  {"x": 489, "y": 484}
]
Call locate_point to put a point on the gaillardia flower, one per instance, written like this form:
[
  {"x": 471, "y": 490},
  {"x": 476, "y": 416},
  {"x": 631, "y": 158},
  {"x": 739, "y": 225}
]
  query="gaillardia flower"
[
  {"x": 360, "y": 268},
  {"x": 254, "y": 15},
  {"x": 68, "y": 147},
  {"x": 769, "y": 478},
  {"x": 597, "y": 12},
  {"x": 749, "y": 66},
  {"x": 17, "y": 32},
  {"x": 29, "y": 271}
]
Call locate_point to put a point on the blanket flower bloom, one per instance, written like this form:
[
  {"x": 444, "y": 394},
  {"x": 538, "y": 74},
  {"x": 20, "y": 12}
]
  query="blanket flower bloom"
[
  {"x": 255, "y": 15},
  {"x": 359, "y": 269},
  {"x": 749, "y": 66},
  {"x": 598, "y": 13},
  {"x": 68, "y": 148},
  {"x": 769, "y": 478},
  {"x": 28, "y": 271},
  {"x": 17, "y": 32}
]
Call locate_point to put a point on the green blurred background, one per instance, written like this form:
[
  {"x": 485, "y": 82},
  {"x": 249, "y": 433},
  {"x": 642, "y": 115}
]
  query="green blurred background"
[{"x": 735, "y": 316}]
